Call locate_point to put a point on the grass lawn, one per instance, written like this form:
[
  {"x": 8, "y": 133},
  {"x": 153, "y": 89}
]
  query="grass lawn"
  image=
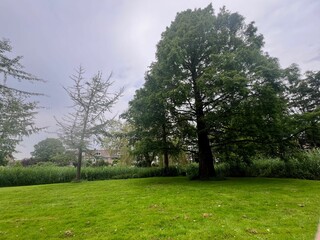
[{"x": 162, "y": 208}]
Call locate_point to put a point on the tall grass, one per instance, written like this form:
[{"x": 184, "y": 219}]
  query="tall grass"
[
  {"x": 305, "y": 165},
  {"x": 19, "y": 176}
]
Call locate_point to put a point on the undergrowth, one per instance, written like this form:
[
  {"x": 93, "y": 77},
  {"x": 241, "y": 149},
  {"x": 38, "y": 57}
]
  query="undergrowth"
[
  {"x": 304, "y": 165},
  {"x": 20, "y": 176}
]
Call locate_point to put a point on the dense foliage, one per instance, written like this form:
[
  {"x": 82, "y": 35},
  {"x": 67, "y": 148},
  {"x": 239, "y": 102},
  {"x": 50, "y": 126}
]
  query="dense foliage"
[
  {"x": 304, "y": 165},
  {"x": 214, "y": 91}
]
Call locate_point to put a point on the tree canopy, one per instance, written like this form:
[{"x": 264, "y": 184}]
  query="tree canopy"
[{"x": 212, "y": 86}]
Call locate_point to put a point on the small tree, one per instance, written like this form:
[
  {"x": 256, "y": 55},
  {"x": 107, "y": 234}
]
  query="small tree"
[
  {"x": 17, "y": 111},
  {"x": 91, "y": 101},
  {"x": 116, "y": 142}
]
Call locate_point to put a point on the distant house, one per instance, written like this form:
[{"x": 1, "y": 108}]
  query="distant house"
[{"x": 94, "y": 155}]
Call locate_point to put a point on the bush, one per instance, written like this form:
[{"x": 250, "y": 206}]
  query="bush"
[
  {"x": 192, "y": 171},
  {"x": 28, "y": 162},
  {"x": 173, "y": 171},
  {"x": 238, "y": 169},
  {"x": 222, "y": 169},
  {"x": 267, "y": 167},
  {"x": 305, "y": 165}
]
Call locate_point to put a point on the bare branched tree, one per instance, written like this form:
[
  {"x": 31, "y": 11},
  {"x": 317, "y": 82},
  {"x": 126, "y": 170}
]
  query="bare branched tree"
[{"x": 91, "y": 101}]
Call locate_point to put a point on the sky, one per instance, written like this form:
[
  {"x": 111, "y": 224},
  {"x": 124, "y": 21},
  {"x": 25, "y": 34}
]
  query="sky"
[{"x": 55, "y": 37}]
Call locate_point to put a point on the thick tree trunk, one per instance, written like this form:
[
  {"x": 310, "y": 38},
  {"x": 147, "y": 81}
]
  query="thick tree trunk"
[{"x": 206, "y": 166}]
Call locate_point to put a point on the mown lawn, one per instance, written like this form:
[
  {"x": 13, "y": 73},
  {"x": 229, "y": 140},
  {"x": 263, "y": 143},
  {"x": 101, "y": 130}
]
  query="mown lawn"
[{"x": 162, "y": 208}]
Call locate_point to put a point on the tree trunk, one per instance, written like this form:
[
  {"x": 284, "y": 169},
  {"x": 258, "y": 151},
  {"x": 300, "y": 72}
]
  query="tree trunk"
[
  {"x": 165, "y": 150},
  {"x": 78, "y": 175},
  {"x": 81, "y": 146},
  {"x": 206, "y": 166},
  {"x": 166, "y": 162},
  {"x": 148, "y": 160}
]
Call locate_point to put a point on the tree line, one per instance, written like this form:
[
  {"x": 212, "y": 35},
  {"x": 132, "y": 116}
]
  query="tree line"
[{"x": 212, "y": 92}]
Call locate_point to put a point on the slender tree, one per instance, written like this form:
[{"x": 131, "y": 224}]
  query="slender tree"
[{"x": 91, "y": 101}]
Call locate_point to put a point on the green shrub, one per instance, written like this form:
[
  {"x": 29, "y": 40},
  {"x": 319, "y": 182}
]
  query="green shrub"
[
  {"x": 267, "y": 167},
  {"x": 238, "y": 169},
  {"x": 305, "y": 165},
  {"x": 222, "y": 169},
  {"x": 172, "y": 171},
  {"x": 192, "y": 171}
]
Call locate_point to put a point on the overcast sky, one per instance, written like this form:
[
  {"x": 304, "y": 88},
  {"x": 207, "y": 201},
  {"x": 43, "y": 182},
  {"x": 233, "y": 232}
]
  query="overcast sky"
[{"x": 56, "y": 36}]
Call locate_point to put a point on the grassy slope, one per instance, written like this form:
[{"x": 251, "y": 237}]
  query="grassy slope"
[{"x": 162, "y": 208}]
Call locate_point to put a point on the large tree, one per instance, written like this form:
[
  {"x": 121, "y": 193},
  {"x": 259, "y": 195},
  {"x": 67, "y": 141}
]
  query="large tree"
[
  {"x": 209, "y": 64},
  {"x": 16, "y": 107},
  {"x": 91, "y": 99}
]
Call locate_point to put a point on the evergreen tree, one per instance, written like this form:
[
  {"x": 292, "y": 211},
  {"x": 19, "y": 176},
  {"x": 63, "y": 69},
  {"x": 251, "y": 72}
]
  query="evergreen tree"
[{"x": 16, "y": 107}]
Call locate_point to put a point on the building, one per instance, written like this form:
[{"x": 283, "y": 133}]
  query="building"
[{"x": 95, "y": 155}]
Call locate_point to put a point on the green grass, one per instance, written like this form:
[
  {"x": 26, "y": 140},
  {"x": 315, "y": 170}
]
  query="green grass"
[{"x": 162, "y": 208}]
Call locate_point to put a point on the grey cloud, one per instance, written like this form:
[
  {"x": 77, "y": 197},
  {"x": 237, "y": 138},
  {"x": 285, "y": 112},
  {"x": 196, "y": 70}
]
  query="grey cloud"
[{"x": 315, "y": 59}]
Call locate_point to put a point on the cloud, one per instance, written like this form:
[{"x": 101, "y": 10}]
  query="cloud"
[{"x": 315, "y": 59}]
